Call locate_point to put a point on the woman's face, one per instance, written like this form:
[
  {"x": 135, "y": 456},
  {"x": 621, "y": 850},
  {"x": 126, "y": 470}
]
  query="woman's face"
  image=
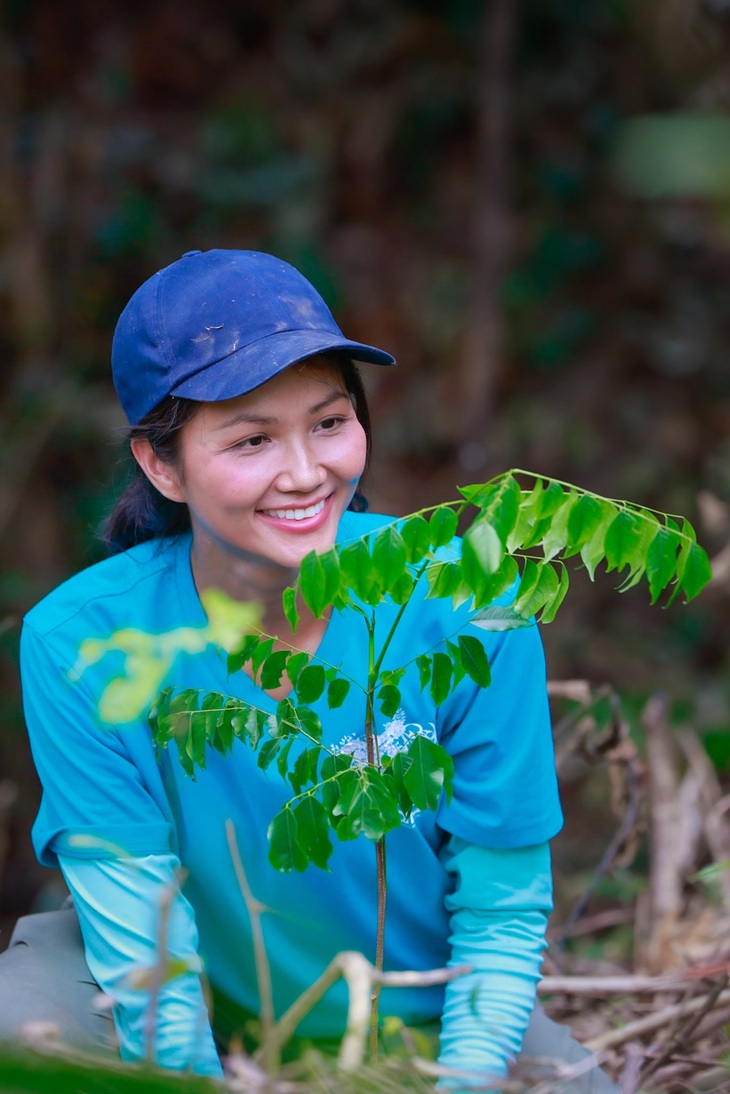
[{"x": 272, "y": 472}]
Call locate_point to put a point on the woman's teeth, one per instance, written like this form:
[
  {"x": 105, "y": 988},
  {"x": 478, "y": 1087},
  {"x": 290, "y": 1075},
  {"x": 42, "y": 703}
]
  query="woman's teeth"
[{"x": 295, "y": 514}]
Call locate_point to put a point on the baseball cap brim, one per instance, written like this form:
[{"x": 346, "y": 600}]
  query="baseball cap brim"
[{"x": 248, "y": 368}]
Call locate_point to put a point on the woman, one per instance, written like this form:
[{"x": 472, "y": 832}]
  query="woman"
[{"x": 250, "y": 433}]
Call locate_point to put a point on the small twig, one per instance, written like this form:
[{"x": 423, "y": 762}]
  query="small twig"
[
  {"x": 360, "y": 976},
  {"x": 159, "y": 971},
  {"x": 269, "y": 1046},
  {"x": 627, "y": 826},
  {"x": 631, "y": 1074},
  {"x": 665, "y": 880},
  {"x": 601, "y": 921},
  {"x": 650, "y": 1022},
  {"x": 681, "y": 1037},
  {"x": 602, "y": 986}
]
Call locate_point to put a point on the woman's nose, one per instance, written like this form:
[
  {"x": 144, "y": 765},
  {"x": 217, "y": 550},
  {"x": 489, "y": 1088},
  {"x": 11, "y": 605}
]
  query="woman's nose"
[{"x": 301, "y": 470}]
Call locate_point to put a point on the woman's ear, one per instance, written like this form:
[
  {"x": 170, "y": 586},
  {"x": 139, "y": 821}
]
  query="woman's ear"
[{"x": 162, "y": 474}]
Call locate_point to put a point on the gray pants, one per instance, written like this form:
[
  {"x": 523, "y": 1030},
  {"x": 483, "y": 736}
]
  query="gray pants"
[{"x": 44, "y": 979}]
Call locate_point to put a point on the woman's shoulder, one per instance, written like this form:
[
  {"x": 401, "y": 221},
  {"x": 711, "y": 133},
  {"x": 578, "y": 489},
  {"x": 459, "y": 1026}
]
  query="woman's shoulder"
[
  {"x": 354, "y": 525},
  {"x": 114, "y": 589}
]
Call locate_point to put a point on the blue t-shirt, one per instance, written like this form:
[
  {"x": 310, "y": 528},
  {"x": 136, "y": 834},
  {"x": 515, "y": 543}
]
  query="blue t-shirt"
[{"x": 107, "y": 783}]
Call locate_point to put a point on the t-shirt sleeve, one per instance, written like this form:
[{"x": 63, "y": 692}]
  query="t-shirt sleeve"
[
  {"x": 500, "y": 739},
  {"x": 498, "y": 914},
  {"x": 128, "y": 908},
  {"x": 97, "y": 800}
]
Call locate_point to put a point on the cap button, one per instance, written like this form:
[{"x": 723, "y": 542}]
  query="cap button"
[{"x": 189, "y": 254}]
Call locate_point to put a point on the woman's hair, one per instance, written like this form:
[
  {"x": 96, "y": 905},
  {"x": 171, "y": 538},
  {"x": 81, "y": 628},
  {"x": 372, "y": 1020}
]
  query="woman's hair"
[{"x": 142, "y": 512}]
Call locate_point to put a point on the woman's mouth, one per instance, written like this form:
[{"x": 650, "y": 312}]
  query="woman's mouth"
[{"x": 296, "y": 514}]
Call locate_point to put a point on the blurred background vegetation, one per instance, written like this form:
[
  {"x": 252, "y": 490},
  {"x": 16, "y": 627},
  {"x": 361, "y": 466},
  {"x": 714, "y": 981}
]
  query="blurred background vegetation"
[{"x": 528, "y": 203}]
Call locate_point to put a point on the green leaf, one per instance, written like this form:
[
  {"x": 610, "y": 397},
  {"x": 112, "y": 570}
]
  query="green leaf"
[
  {"x": 555, "y": 537},
  {"x": 548, "y": 501},
  {"x": 272, "y": 669},
  {"x": 285, "y": 854},
  {"x": 304, "y": 769},
  {"x": 196, "y": 740},
  {"x": 311, "y": 683},
  {"x": 498, "y": 583},
  {"x": 319, "y": 580},
  {"x": 429, "y": 772},
  {"x": 475, "y": 660},
  {"x": 309, "y": 723},
  {"x": 540, "y": 590},
  {"x": 661, "y": 562},
  {"x": 401, "y": 590},
  {"x": 392, "y": 676},
  {"x": 499, "y": 502},
  {"x": 444, "y": 579},
  {"x": 289, "y": 604},
  {"x": 693, "y": 570},
  {"x": 237, "y": 658},
  {"x": 593, "y": 550},
  {"x": 453, "y": 651},
  {"x": 337, "y": 692},
  {"x": 440, "y": 678},
  {"x": 481, "y": 553},
  {"x": 360, "y": 573},
  {"x": 295, "y": 664},
  {"x": 127, "y": 698},
  {"x": 527, "y": 517},
  {"x": 623, "y": 536},
  {"x": 158, "y": 719},
  {"x": 551, "y": 607},
  {"x": 282, "y": 760},
  {"x": 287, "y": 718},
  {"x": 268, "y": 752},
  {"x": 389, "y": 557},
  {"x": 423, "y": 664},
  {"x": 259, "y": 654},
  {"x": 397, "y": 770},
  {"x": 585, "y": 518},
  {"x": 443, "y": 525},
  {"x": 250, "y": 723},
  {"x": 334, "y": 764},
  {"x": 481, "y": 556},
  {"x": 225, "y": 731},
  {"x": 313, "y": 831},
  {"x": 228, "y": 619},
  {"x": 496, "y": 618},
  {"x": 389, "y": 699},
  {"x": 416, "y": 534},
  {"x": 367, "y": 806}
]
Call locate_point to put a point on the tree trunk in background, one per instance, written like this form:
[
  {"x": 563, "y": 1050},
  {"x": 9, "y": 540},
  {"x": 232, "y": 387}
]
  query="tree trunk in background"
[{"x": 484, "y": 336}]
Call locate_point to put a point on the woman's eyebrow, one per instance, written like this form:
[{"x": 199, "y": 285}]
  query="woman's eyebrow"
[
  {"x": 247, "y": 417},
  {"x": 333, "y": 397}
]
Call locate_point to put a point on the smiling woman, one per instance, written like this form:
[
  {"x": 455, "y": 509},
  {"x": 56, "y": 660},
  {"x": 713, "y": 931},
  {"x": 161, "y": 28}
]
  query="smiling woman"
[{"x": 250, "y": 433}]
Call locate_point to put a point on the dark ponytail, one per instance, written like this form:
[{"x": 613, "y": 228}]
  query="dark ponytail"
[{"x": 143, "y": 513}]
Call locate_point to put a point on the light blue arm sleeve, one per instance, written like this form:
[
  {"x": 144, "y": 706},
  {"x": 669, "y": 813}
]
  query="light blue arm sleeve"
[
  {"x": 499, "y": 909},
  {"x": 119, "y": 902}
]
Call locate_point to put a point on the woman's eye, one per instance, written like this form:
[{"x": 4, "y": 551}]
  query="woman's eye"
[
  {"x": 331, "y": 423},
  {"x": 251, "y": 442}
]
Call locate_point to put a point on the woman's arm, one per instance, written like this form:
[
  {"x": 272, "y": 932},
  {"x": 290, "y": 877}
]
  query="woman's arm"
[
  {"x": 120, "y": 908},
  {"x": 499, "y": 910}
]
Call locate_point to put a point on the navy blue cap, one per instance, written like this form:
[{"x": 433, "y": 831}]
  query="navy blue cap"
[{"x": 216, "y": 324}]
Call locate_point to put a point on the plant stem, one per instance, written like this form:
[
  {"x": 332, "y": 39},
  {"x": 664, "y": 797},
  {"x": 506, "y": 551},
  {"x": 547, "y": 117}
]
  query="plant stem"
[
  {"x": 371, "y": 744},
  {"x": 379, "y": 946},
  {"x": 269, "y": 1048}
]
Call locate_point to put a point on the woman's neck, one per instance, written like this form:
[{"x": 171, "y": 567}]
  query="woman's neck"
[{"x": 249, "y": 578}]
